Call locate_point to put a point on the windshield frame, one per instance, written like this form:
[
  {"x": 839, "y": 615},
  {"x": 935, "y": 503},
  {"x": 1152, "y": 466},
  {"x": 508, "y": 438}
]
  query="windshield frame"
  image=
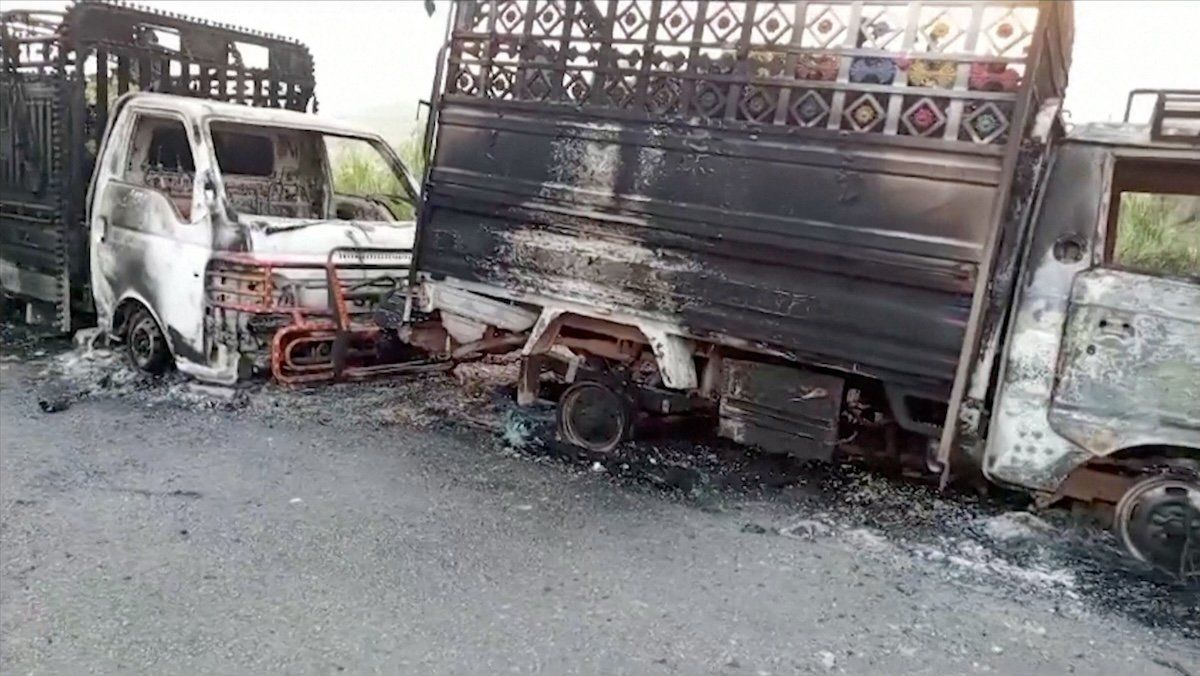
[{"x": 407, "y": 182}]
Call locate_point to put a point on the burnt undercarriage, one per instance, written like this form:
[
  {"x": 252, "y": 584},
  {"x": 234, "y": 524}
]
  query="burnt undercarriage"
[{"x": 608, "y": 395}]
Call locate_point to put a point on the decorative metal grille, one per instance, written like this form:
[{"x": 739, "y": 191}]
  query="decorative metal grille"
[{"x": 938, "y": 69}]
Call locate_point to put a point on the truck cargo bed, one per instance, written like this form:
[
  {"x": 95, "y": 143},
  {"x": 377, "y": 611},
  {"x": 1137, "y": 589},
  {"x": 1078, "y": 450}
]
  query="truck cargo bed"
[{"x": 700, "y": 169}]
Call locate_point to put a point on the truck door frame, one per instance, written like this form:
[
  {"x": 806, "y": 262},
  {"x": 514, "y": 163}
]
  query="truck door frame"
[
  {"x": 1128, "y": 359},
  {"x": 181, "y": 315}
]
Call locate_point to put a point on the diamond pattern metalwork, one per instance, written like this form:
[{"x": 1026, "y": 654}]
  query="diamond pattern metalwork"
[
  {"x": 743, "y": 50},
  {"x": 466, "y": 80},
  {"x": 824, "y": 29},
  {"x": 986, "y": 123},
  {"x": 756, "y": 104},
  {"x": 881, "y": 29},
  {"x": 923, "y": 118},
  {"x": 630, "y": 19},
  {"x": 620, "y": 92},
  {"x": 676, "y": 21},
  {"x": 589, "y": 17},
  {"x": 663, "y": 96},
  {"x": 1007, "y": 32},
  {"x": 773, "y": 26},
  {"x": 710, "y": 100},
  {"x": 864, "y": 114},
  {"x": 577, "y": 87},
  {"x": 510, "y": 17},
  {"x": 810, "y": 110},
  {"x": 502, "y": 83},
  {"x": 939, "y": 32},
  {"x": 538, "y": 86},
  {"x": 548, "y": 17},
  {"x": 723, "y": 23}
]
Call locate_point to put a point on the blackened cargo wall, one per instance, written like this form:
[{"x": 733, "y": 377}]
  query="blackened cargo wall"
[{"x": 815, "y": 179}]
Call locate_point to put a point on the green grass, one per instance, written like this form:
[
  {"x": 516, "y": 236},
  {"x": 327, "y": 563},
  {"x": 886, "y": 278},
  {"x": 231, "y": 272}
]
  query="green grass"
[
  {"x": 1154, "y": 235},
  {"x": 411, "y": 153},
  {"x": 358, "y": 174}
]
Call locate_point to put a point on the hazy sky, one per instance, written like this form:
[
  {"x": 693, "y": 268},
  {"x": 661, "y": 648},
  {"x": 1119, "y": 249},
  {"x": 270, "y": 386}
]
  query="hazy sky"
[{"x": 376, "y": 59}]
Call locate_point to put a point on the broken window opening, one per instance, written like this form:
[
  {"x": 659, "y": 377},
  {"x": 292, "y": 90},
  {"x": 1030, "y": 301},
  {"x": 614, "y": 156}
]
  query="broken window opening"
[
  {"x": 245, "y": 154},
  {"x": 271, "y": 171},
  {"x": 306, "y": 174},
  {"x": 365, "y": 185},
  {"x": 161, "y": 159},
  {"x": 1154, "y": 221}
]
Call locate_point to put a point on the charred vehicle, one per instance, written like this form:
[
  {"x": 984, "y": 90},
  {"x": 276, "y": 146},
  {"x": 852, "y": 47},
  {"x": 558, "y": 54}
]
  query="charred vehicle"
[
  {"x": 60, "y": 74},
  {"x": 225, "y": 240},
  {"x": 163, "y": 172},
  {"x": 824, "y": 228}
]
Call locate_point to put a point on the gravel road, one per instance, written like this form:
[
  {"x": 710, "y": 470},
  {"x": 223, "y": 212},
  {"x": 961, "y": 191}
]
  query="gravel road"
[{"x": 160, "y": 528}]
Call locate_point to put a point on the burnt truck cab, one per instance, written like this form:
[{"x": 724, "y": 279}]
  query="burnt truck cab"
[
  {"x": 214, "y": 224},
  {"x": 1098, "y": 395}
]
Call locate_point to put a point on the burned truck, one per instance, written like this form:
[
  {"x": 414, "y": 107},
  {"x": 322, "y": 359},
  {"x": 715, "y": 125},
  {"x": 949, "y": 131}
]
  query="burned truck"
[
  {"x": 164, "y": 177},
  {"x": 822, "y": 228},
  {"x": 60, "y": 75}
]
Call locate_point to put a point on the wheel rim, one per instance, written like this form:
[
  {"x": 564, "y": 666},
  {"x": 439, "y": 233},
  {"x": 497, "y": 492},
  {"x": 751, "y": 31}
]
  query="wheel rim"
[
  {"x": 145, "y": 341},
  {"x": 593, "y": 417},
  {"x": 1158, "y": 521}
]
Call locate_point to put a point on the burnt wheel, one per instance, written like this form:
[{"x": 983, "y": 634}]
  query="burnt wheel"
[
  {"x": 146, "y": 344},
  {"x": 592, "y": 415},
  {"x": 1158, "y": 521}
]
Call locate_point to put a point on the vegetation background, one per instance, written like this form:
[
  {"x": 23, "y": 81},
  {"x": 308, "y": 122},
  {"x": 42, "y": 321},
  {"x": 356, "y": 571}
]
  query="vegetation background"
[
  {"x": 1159, "y": 233},
  {"x": 358, "y": 175}
]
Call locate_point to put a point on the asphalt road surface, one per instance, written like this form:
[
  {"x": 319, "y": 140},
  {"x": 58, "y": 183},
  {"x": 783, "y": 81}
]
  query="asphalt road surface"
[{"x": 153, "y": 535}]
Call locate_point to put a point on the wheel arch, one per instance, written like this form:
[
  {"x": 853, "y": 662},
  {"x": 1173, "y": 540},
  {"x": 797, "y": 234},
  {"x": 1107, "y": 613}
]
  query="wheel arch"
[
  {"x": 125, "y": 308},
  {"x": 1150, "y": 449},
  {"x": 1106, "y": 477},
  {"x": 672, "y": 352}
]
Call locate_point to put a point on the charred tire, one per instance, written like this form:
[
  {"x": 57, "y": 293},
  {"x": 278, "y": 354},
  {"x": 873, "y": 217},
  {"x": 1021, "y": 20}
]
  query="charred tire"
[
  {"x": 146, "y": 344},
  {"x": 1158, "y": 521},
  {"x": 594, "y": 416}
]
